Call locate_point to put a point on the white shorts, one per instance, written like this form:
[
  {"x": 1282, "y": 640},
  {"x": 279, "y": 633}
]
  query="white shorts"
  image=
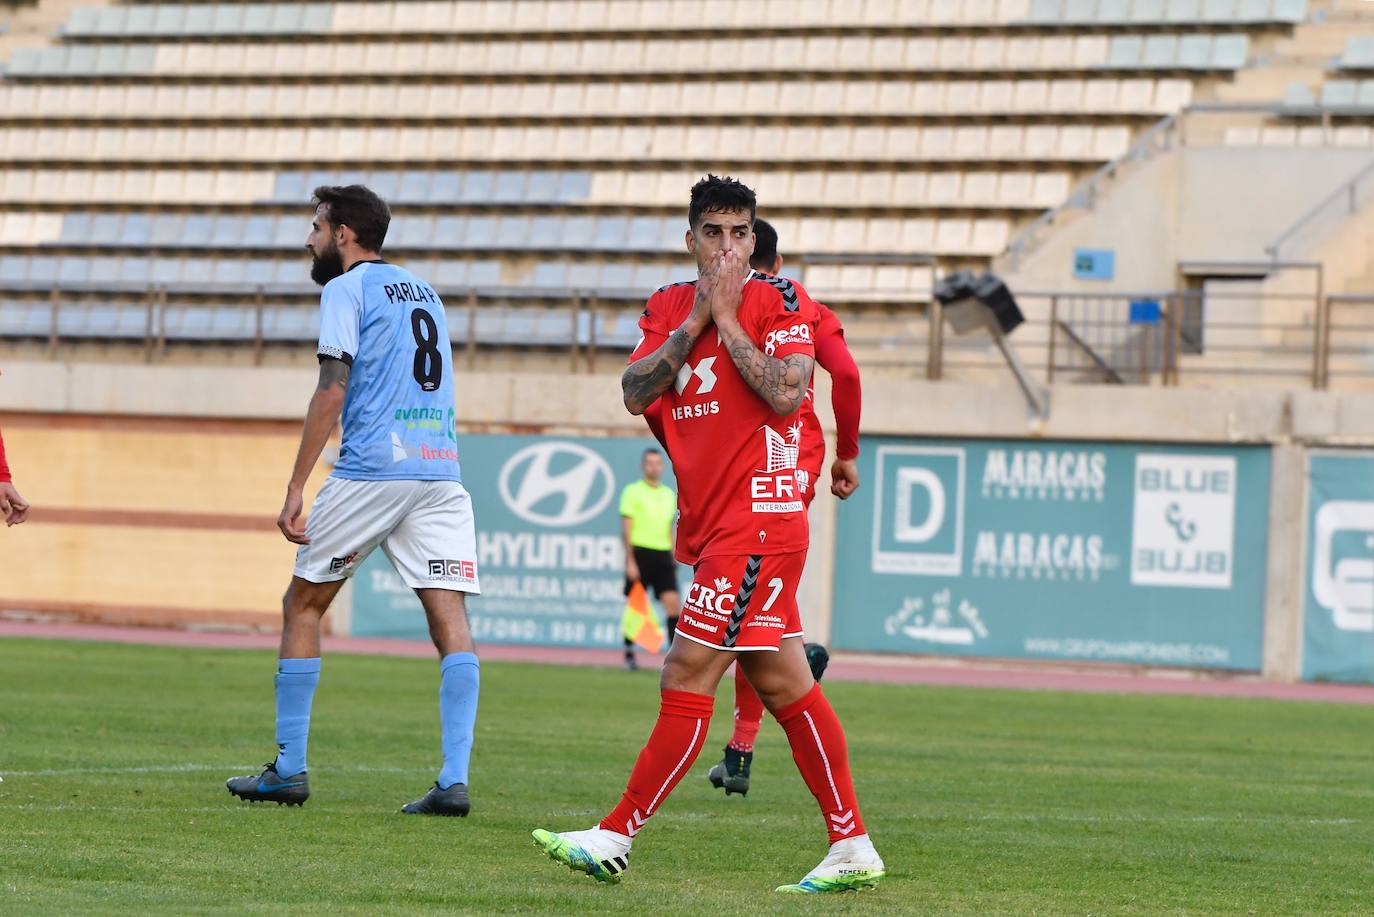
[{"x": 424, "y": 527}]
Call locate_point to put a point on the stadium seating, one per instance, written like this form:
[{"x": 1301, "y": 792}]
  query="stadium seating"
[{"x": 532, "y": 148}]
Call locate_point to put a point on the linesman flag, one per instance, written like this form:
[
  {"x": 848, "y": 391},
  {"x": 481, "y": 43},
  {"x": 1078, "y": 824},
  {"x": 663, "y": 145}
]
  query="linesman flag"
[{"x": 639, "y": 621}]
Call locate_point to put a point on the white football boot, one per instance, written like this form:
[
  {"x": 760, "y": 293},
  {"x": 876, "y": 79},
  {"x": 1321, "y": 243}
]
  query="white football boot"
[
  {"x": 603, "y": 855},
  {"x": 852, "y": 864}
]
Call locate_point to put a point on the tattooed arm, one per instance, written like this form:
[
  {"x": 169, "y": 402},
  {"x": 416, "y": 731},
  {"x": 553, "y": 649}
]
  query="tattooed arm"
[
  {"x": 320, "y": 419},
  {"x": 648, "y": 377},
  {"x": 781, "y": 383}
]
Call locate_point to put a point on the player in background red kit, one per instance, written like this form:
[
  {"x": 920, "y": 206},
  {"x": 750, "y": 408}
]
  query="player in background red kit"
[
  {"x": 14, "y": 507},
  {"x": 730, "y": 355},
  {"x": 846, "y": 398}
]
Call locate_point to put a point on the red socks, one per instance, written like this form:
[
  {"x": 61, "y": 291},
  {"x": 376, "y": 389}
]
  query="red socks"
[
  {"x": 748, "y": 713},
  {"x": 673, "y": 746},
  {"x": 819, "y": 748}
]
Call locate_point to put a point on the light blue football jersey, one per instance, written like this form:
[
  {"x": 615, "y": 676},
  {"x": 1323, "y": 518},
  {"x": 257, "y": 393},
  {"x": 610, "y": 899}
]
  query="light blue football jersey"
[{"x": 398, "y": 417}]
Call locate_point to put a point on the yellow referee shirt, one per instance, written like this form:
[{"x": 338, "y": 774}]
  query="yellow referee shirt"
[{"x": 650, "y": 510}]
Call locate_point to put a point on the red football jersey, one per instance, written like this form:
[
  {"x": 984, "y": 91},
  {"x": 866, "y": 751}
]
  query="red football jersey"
[{"x": 734, "y": 457}]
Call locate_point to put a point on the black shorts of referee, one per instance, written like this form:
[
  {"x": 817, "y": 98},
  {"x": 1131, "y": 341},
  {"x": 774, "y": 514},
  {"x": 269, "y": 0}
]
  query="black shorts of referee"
[{"x": 657, "y": 571}]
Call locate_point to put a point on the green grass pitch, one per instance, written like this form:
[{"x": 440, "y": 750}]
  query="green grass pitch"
[{"x": 981, "y": 801}]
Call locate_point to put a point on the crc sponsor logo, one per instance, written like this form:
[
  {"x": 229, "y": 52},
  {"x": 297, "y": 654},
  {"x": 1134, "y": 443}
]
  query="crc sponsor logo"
[
  {"x": 463, "y": 571},
  {"x": 1343, "y": 562},
  {"x": 797, "y": 334},
  {"x": 1184, "y": 521},
  {"x": 774, "y": 488},
  {"x": 937, "y": 619},
  {"x": 337, "y": 564},
  {"x": 918, "y": 508},
  {"x": 715, "y": 601},
  {"x": 1039, "y": 555},
  {"x": 1044, "y": 474},
  {"x": 556, "y": 484}
]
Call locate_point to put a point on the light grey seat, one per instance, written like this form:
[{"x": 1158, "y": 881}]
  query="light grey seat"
[
  {"x": 484, "y": 273},
  {"x": 1230, "y": 52},
  {"x": 1339, "y": 94},
  {"x": 447, "y": 187},
  {"x": 550, "y": 275},
  {"x": 1125, "y": 51},
  {"x": 42, "y": 268}
]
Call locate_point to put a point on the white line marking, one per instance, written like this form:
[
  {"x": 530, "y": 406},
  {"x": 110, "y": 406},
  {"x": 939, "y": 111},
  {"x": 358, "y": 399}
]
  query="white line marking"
[{"x": 198, "y": 768}]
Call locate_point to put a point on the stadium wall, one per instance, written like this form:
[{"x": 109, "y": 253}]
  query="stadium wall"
[
  {"x": 157, "y": 486},
  {"x": 1193, "y": 204}
]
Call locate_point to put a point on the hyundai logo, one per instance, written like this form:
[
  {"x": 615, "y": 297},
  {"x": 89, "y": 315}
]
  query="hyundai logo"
[{"x": 557, "y": 484}]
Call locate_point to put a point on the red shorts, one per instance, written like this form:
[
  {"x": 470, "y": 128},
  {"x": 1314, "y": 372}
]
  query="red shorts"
[{"x": 743, "y": 602}]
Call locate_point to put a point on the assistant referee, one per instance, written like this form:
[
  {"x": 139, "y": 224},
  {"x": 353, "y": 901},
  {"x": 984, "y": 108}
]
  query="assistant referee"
[{"x": 648, "y": 508}]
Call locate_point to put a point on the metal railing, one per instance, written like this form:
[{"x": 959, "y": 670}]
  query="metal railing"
[
  {"x": 1213, "y": 338},
  {"x": 1345, "y": 201},
  {"x": 1200, "y": 124},
  {"x": 1216, "y": 337},
  {"x": 1158, "y": 138}
]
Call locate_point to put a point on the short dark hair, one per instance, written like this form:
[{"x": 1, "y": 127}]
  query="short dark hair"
[
  {"x": 765, "y": 246},
  {"x": 648, "y": 452},
  {"x": 359, "y": 208},
  {"x": 719, "y": 193}
]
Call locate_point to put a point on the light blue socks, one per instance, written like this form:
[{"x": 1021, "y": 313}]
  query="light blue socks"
[
  {"x": 296, "y": 681},
  {"x": 459, "y": 678}
]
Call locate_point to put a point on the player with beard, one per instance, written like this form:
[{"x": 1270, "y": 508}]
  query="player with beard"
[
  {"x": 386, "y": 365},
  {"x": 730, "y": 357},
  {"x": 846, "y": 397}
]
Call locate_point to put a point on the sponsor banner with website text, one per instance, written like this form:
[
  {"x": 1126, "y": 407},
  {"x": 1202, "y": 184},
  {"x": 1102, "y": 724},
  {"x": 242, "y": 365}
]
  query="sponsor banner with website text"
[
  {"x": 1151, "y": 554},
  {"x": 1338, "y": 613},
  {"x": 549, "y": 552}
]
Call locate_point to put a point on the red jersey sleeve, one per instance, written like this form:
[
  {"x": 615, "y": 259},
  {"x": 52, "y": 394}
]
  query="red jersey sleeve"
[
  {"x": 4, "y": 468},
  {"x": 780, "y": 321},
  {"x": 846, "y": 393},
  {"x": 651, "y": 329}
]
